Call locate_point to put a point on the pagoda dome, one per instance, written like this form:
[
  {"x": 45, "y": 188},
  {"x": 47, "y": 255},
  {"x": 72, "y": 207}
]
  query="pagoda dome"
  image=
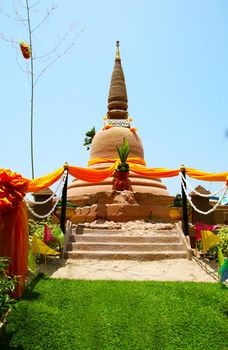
[{"x": 105, "y": 142}]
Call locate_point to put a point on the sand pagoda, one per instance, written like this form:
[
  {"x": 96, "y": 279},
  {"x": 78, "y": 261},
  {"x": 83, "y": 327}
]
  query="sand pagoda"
[{"x": 148, "y": 198}]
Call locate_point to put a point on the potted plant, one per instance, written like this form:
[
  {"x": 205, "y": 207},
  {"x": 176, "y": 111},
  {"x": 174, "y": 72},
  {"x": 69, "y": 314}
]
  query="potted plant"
[
  {"x": 121, "y": 181},
  {"x": 175, "y": 209}
]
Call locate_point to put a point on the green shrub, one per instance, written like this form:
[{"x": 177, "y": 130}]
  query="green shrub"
[
  {"x": 89, "y": 138},
  {"x": 7, "y": 286},
  {"x": 69, "y": 204},
  {"x": 223, "y": 234},
  {"x": 37, "y": 227},
  {"x": 177, "y": 201}
]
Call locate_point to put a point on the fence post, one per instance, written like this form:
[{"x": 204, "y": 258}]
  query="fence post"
[
  {"x": 185, "y": 204},
  {"x": 64, "y": 200}
]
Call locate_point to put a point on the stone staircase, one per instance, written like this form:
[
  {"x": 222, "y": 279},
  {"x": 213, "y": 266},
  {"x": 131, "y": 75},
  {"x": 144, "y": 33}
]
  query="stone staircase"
[{"x": 116, "y": 244}]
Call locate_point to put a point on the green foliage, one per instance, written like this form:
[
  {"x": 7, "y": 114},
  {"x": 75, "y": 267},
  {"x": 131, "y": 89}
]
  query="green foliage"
[
  {"x": 89, "y": 138},
  {"x": 7, "y": 286},
  {"x": 223, "y": 234},
  {"x": 177, "y": 202},
  {"x": 212, "y": 253},
  {"x": 37, "y": 227},
  {"x": 72, "y": 314},
  {"x": 69, "y": 204},
  {"x": 123, "y": 153}
]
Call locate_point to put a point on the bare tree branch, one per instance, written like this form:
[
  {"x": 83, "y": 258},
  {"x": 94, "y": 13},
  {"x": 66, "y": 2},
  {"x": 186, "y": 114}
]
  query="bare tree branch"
[
  {"x": 8, "y": 39},
  {"x": 58, "y": 56},
  {"x": 18, "y": 19},
  {"x": 22, "y": 5},
  {"x": 58, "y": 45},
  {"x": 34, "y": 5},
  {"x": 27, "y": 8},
  {"x": 44, "y": 19}
]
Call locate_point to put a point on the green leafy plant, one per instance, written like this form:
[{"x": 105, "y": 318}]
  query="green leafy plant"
[
  {"x": 223, "y": 234},
  {"x": 123, "y": 152},
  {"x": 37, "y": 227},
  {"x": 7, "y": 286},
  {"x": 177, "y": 202},
  {"x": 69, "y": 204},
  {"x": 89, "y": 138}
]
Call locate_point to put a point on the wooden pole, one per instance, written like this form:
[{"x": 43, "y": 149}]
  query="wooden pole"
[
  {"x": 64, "y": 200},
  {"x": 185, "y": 204}
]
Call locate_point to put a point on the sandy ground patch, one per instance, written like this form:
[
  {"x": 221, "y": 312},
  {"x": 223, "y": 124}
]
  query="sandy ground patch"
[{"x": 162, "y": 270}]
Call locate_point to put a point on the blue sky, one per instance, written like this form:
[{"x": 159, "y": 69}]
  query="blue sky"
[{"x": 174, "y": 55}]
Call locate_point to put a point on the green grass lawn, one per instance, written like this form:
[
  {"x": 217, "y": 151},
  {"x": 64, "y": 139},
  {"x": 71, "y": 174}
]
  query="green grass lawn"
[{"x": 72, "y": 314}]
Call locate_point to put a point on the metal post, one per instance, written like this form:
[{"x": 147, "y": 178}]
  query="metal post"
[
  {"x": 185, "y": 204},
  {"x": 64, "y": 200}
]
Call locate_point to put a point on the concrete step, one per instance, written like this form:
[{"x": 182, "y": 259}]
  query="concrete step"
[
  {"x": 84, "y": 231},
  {"x": 121, "y": 239},
  {"x": 99, "y": 232},
  {"x": 128, "y": 247},
  {"x": 140, "y": 256}
]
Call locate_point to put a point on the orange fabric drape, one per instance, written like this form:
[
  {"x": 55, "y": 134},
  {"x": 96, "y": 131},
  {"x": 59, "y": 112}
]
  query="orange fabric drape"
[
  {"x": 13, "y": 188},
  {"x": 14, "y": 224},
  {"x": 14, "y": 242},
  {"x": 92, "y": 175},
  {"x": 45, "y": 181},
  {"x": 134, "y": 160},
  {"x": 153, "y": 172},
  {"x": 204, "y": 176}
]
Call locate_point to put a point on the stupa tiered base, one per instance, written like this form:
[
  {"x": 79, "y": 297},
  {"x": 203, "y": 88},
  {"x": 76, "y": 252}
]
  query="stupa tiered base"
[{"x": 118, "y": 206}]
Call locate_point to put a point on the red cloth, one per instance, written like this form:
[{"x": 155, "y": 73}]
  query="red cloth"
[
  {"x": 48, "y": 236},
  {"x": 206, "y": 227}
]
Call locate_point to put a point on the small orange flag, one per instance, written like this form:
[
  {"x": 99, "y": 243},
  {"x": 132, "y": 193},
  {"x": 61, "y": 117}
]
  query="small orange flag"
[{"x": 25, "y": 49}]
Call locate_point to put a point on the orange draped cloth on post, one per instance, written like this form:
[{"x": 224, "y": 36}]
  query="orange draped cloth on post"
[
  {"x": 45, "y": 181},
  {"x": 14, "y": 225},
  {"x": 153, "y": 172},
  {"x": 204, "y": 176},
  {"x": 92, "y": 175},
  {"x": 134, "y": 160}
]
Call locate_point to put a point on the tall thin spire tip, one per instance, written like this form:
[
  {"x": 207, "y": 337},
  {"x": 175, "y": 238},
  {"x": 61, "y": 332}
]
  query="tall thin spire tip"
[{"x": 117, "y": 50}]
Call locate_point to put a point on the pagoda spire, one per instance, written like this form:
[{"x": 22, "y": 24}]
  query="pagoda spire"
[{"x": 117, "y": 99}]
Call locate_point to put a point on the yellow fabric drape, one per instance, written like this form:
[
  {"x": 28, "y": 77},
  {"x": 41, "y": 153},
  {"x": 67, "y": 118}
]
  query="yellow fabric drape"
[
  {"x": 39, "y": 247},
  {"x": 204, "y": 176},
  {"x": 208, "y": 240},
  {"x": 92, "y": 175},
  {"x": 153, "y": 172},
  {"x": 45, "y": 181},
  {"x": 134, "y": 160}
]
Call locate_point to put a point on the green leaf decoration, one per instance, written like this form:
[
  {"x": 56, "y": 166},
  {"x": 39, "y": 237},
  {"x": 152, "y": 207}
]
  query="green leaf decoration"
[
  {"x": 123, "y": 151},
  {"x": 89, "y": 137}
]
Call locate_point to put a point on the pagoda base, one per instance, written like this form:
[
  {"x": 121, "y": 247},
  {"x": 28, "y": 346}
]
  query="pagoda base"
[{"x": 121, "y": 206}]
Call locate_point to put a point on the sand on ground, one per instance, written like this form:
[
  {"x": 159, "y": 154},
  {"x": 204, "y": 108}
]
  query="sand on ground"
[{"x": 163, "y": 270}]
